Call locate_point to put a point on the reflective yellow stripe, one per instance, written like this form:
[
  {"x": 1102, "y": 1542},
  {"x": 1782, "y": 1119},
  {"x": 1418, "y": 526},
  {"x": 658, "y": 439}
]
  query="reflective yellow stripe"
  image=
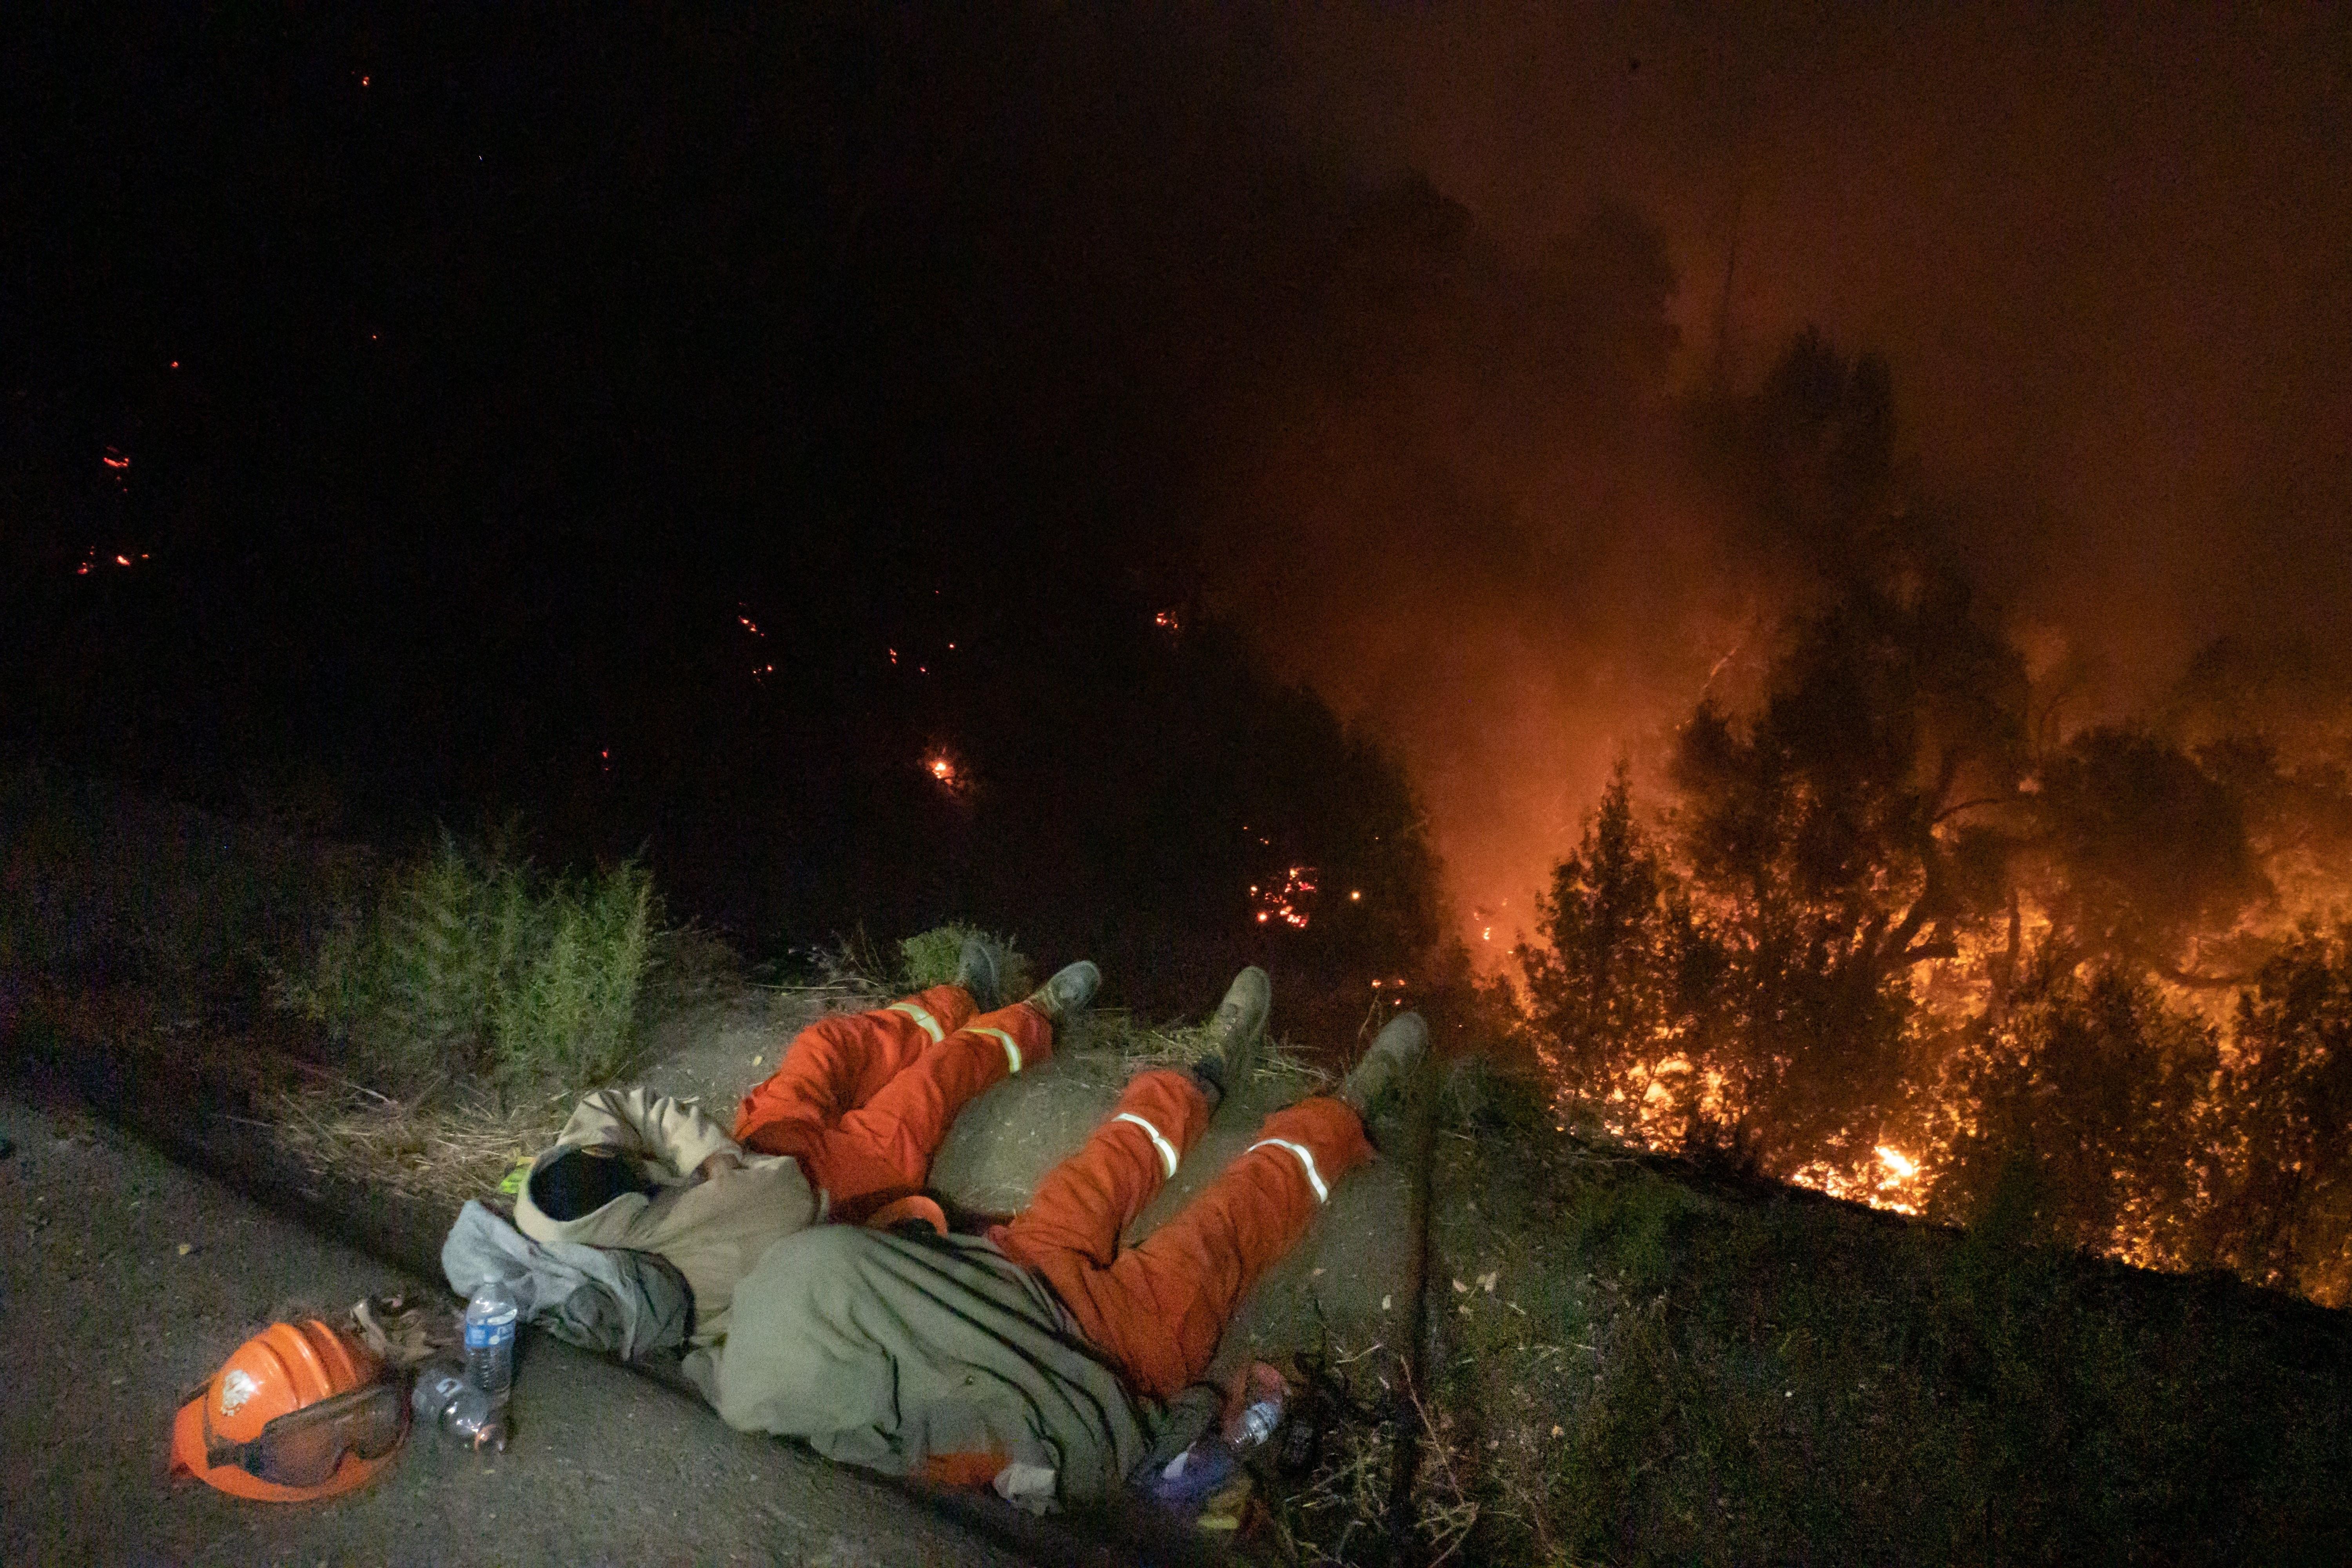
[
  {"x": 1314, "y": 1176},
  {"x": 1167, "y": 1150},
  {"x": 1011, "y": 1047},
  {"x": 930, "y": 1024}
]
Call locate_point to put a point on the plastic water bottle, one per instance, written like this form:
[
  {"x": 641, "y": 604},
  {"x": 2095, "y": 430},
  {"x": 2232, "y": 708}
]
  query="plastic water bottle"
[
  {"x": 1205, "y": 1468},
  {"x": 444, "y": 1399},
  {"x": 1256, "y": 1424},
  {"x": 491, "y": 1319}
]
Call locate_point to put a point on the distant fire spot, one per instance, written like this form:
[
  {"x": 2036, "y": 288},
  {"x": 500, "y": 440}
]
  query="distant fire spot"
[
  {"x": 1286, "y": 903},
  {"x": 947, "y": 771},
  {"x": 91, "y": 560}
]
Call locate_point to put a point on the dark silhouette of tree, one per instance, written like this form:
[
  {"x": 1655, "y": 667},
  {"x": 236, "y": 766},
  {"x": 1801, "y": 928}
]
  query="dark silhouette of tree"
[
  {"x": 1849, "y": 833},
  {"x": 2273, "y": 724},
  {"x": 1812, "y": 454},
  {"x": 2147, "y": 849},
  {"x": 1609, "y": 285}
]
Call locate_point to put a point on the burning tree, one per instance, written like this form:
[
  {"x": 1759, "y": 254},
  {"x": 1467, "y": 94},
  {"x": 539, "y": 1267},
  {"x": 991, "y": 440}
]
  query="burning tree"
[
  {"x": 1851, "y": 833},
  {"x": 2283, "y": 1212},
  {"x": 1896, "y": 937},
  {"x": 1612, "y": 991},
  {"x": 2094, "y": 1096}
]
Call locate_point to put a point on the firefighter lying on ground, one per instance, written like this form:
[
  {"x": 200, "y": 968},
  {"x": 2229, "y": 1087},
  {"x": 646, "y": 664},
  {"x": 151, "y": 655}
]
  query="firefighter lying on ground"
[
  {"x": 1042, "y": 1356},
  {"x": 1039, "y": 1357},
  {"x": 846, "y": 1126}
]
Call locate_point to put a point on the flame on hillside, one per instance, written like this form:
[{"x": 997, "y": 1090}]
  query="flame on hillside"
[{"x": 1286, "y": 902}]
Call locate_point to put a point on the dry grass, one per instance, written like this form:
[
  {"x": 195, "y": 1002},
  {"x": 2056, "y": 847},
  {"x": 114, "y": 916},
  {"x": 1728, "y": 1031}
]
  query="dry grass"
[
  {"x": 1111, "y": 1046},
  {"x": 1338, "y": 1515},
  {"x": 446, "y": 1154}
]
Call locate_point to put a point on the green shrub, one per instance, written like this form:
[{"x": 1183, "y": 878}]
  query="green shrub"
[
  {"x": 473, "y": 968},
  {"x": 929, "y": 958}
]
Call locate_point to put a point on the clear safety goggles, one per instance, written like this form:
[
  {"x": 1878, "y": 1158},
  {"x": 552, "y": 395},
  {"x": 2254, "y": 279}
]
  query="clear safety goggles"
[{"x": 304, "y": 1448}]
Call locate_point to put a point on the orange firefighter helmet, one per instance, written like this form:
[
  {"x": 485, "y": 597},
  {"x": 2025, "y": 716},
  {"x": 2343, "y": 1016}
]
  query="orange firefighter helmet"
[{"x": 299, "y": 1411}]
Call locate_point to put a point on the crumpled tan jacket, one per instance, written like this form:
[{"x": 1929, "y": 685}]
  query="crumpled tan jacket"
[{"x": 712, "y": 1231}]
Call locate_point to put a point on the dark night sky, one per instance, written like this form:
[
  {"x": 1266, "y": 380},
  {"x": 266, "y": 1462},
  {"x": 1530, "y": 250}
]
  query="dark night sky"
[{"x": 623, "y": 319}]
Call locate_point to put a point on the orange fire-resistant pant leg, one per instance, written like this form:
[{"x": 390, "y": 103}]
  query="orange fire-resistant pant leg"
[
  {"x": 1157, "y": 1309},
  {"x": 843, "y": 1060},
  {"x": 881, "y": 1148}
]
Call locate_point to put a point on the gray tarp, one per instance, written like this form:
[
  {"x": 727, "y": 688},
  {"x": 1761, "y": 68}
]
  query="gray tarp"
[{"x": 629, "y": 1304}]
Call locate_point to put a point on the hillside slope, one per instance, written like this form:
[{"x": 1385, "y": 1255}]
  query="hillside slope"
[{"x": 1635, "y": 1360}]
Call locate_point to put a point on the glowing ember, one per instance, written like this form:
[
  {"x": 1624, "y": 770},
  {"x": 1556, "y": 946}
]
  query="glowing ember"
[
  {"x": 90, "y": 558},
  {"x": 1167, "y": 621},
  {"x": 1901, "y": 1168},
  {"x": 941, "y": 769},
  {"x": 1286, "y": 903}
]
